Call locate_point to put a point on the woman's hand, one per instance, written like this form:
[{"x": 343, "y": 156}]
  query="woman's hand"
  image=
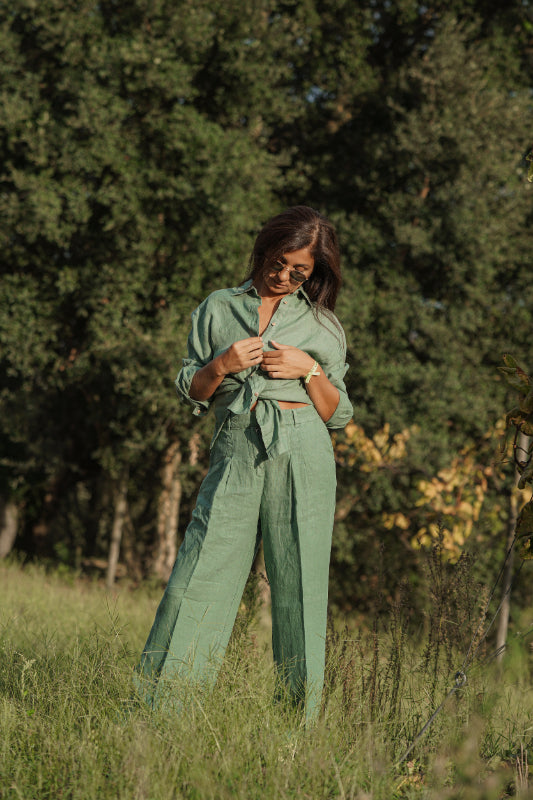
[
  {"x": 286, "y": 362},
  {"x": 289, "y": 362},
  {"x": 240, "y": 355}
]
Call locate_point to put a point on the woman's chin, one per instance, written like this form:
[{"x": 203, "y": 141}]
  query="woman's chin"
[
  {"x": 279, "y": 288},
  {"x": 271, "y": 289}
]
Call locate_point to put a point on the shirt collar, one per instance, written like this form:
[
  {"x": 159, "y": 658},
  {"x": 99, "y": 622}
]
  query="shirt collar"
[{"x": 248, "y": 287}]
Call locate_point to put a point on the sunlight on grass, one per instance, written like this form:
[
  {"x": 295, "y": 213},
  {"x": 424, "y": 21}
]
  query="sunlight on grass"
[{"x": 69, "y": 729}]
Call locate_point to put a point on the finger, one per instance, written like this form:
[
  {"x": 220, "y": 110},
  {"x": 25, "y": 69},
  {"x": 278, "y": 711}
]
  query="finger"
[
  {"x": 279, "y": 346},
  {"x": 253, "y": 357},
  {"x": 249, "y": 352},
  {"x": 272, "y": 372},
  {"x": 245, "y": 345}
]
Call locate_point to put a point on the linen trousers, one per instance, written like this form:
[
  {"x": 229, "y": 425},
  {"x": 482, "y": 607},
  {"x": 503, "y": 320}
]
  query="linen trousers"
[{"x": 290, "y": 501}]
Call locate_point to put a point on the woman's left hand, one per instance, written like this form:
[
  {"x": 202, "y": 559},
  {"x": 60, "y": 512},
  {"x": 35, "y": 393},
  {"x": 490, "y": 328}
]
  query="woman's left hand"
[{"x": 286, "y": 362}]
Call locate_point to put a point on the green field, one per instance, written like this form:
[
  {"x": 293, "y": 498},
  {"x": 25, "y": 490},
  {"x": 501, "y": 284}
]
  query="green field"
[{"x": 66, "y": 657}]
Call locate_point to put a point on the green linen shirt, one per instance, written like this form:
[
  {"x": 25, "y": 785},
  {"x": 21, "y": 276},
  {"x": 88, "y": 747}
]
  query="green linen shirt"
[{"x": 229, "y": 315}]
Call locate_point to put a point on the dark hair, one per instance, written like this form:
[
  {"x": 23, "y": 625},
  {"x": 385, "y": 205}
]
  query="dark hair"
[{"x": 294, "y": 229}]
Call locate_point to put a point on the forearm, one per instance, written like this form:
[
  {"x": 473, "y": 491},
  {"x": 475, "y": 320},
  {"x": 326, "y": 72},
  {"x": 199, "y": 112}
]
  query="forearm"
[
  {"x": 207, "y": 380},
  {"x": 240, "y": 355},
  {"x": 324, "y": 395},
  {"x": 286, "y": 361}
]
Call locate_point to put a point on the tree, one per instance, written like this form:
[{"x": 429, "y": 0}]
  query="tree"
[
  {"x": 142, "y": 147},
  {"x": 419, "y": 159},
  {"x": 122, "y": 204}
]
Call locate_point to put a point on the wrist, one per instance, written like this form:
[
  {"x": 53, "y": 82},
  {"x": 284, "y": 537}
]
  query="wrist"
[
  {"x": 219, "y": 366},
  {"x": 314, "y": 371},
  {"x": 309, "y": 364}
]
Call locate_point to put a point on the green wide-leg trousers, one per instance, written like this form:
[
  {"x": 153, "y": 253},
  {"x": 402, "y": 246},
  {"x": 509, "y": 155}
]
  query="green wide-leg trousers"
[{"x": 290, "y": 499}]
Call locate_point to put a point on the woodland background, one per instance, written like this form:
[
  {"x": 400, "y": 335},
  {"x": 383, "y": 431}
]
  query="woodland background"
[{"x": 143, "y": 145}]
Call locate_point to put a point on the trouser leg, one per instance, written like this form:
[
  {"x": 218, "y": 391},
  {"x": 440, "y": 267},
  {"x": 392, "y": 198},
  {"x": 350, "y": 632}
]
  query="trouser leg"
[
  {"x": 196, "y": 615},
  {"x": 297, "y": 511}
]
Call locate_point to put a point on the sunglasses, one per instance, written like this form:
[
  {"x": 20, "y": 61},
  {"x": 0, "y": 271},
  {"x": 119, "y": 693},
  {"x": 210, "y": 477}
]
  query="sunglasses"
[{"x": 294, "y": 275}]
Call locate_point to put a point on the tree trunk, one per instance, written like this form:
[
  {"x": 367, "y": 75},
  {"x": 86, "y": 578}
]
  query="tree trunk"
[
  {"x": 121, "y": 509},
  {"x": 505, "y": 611},
  {"x": 194, "y": 449},
  {"x": 130, "y": 556},
  {"x": 9, "y": 514},
  {"x": 168, "y": 513}
]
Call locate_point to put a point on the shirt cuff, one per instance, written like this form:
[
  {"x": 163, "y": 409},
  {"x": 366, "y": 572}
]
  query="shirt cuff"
[
  {"x": 183, "y": 386},
  {"x": 342, "y": 414}
]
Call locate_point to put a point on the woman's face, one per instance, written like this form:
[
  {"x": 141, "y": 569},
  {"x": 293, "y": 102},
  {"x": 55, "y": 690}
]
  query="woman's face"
[{"x": 286, "y": 274}]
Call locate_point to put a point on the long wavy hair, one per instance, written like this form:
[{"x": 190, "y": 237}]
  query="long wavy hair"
[{"x": 293, "y": 229}]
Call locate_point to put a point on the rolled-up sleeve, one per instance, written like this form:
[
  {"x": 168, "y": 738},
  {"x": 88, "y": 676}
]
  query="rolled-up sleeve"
[
  {"x": 344, "y": 411},
  {"x": 335, "y": 372},
  {"x": 199, "y": 353}
]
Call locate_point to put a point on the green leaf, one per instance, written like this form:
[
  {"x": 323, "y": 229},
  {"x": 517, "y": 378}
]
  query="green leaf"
[
  {"x": 526, "y": 550},
  {"x": 509, "y": 361},
  {"x": 526, "y": 426},
  {"x": 526, "y": 405},
  {"x": 529, "y": 158},
  {"x": 526, "y": 476},
  {"x": 516, "y": 380},
  {"x": 514, "y": 416},
  {"x": 524, "y": 525}
]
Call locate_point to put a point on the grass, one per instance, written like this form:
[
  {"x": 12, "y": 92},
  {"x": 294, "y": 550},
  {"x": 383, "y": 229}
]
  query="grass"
[{"x": 66, "y": 656}]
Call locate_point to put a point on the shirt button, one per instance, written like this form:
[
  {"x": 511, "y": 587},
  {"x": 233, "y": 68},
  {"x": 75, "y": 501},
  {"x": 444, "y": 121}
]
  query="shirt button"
[
  {"x": 273, "y": 323},
  {"x": 256, "y": 394},
  {"x": 284, "y": 302}
]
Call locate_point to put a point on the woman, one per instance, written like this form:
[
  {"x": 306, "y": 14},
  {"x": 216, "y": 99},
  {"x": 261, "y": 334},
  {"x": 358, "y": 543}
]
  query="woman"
[{"x": 269, "y": 356}]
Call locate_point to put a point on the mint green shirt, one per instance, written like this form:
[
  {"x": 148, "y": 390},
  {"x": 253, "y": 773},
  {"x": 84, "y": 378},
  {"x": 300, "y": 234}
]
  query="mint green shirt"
[{"x": 229, "y": 315}]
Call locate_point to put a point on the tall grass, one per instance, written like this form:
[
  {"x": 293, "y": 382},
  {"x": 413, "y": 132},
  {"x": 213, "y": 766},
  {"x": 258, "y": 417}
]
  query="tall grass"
[{"x": 66, "y": 656}]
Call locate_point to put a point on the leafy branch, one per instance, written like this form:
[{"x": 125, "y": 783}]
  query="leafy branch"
[
  {"x": 521, "y": 418},
  {"x": 529, "y": 158}
]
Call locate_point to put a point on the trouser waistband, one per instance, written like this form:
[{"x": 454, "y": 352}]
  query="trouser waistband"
[{"x": 288, "y": 416}]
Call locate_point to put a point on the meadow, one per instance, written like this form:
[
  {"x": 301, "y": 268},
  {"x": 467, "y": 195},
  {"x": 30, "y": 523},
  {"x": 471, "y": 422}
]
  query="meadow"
[{"x": 68, "y": 728}]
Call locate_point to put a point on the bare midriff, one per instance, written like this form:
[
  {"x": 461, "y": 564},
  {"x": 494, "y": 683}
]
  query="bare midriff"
[{"x": 284, "y": 404}]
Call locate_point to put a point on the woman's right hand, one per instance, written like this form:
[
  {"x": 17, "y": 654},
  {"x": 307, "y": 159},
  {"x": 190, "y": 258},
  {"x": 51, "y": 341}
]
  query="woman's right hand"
[{"x": 240, "y": 355}]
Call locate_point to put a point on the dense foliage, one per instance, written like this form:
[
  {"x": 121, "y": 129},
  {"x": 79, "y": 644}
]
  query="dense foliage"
[{"x": 142, "y": 146}]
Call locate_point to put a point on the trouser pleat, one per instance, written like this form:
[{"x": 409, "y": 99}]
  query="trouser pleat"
[
  {"x": 297, "y": 543},
  {"x": 292, "y": 497},
  {"x": 195, "y": 618}
]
